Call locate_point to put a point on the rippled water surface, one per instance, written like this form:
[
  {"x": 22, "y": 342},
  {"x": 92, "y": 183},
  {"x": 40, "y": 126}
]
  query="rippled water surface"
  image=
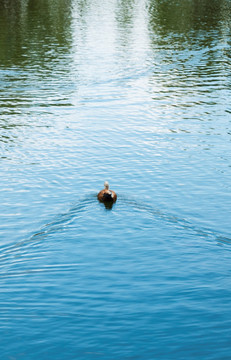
[{"x": 137, "y": 93}]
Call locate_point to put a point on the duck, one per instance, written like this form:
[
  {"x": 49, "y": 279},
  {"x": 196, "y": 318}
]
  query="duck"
[{"x": 107, "y": 196}]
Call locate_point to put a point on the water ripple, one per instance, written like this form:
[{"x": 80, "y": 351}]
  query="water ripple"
[{"x": 63, "y": 221}]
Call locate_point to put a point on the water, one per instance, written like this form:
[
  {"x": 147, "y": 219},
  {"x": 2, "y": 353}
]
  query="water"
[{"x": 136, "y": 93}]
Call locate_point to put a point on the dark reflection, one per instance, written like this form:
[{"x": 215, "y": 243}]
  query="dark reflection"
[
  {"x": 108, "y": 204},
  {"x": 35, "y": 43},
  {"x": 31, "y": 29},
  {"x": 185, "y": 15},
  {"x": 190, "y": 40},
  {"x": 125, "y": 12},
  {"x": 124, "y": 18}
]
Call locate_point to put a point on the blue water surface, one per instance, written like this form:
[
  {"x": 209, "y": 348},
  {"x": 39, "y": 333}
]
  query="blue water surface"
[{"x": 136, "y": 93}]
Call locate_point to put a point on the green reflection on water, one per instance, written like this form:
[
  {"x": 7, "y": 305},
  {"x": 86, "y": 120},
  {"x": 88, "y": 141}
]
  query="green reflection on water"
[
  {"x": 39, "y": 41},
  {"x": 185, "y": 15},
  {"x": 31, "y": 29}
]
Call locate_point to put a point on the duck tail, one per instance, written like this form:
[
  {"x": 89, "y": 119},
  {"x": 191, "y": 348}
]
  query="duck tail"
[{"x": 107, "y": 196}]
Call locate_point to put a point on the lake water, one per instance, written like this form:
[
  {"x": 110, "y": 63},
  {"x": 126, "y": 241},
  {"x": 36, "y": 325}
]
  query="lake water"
[{"x": 137, "y": 93}]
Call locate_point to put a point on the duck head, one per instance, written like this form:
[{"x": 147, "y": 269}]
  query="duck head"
[{"x": 106, "y": 185}]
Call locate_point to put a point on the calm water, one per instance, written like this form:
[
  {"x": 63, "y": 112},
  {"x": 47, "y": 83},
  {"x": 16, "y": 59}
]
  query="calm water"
[{"x": 137, "y": 93}]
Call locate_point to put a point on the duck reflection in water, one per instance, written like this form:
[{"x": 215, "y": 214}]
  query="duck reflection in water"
[{"x": 106, "y": 196}]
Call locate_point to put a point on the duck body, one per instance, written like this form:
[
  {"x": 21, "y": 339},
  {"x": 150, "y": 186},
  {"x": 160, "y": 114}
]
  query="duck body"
[{"x": 106, "y": 195}]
